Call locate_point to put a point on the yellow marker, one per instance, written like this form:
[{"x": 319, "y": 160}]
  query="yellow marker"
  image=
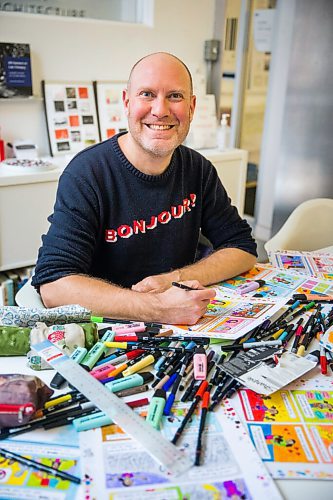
[
  {"x": 148, "y": 360},
  {"x": 277, "y": 334},
  {"x": 301, "y": 350},
  {"x": 57, "y": 401},
  {"x": 118, "y": 345}
]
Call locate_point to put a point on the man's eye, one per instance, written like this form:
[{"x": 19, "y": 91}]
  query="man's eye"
[
  {"x": 146, "y": 93},
  {"x": 176, "y": 96}
]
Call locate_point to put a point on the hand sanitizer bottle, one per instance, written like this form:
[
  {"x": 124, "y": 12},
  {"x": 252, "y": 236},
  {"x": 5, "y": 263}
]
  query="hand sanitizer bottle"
[{"x": 223, "y": 133}]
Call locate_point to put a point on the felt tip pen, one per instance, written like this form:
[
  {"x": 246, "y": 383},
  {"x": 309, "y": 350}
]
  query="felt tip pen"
[
  {"x": 128, "y": 382},
  {"x": 250, "y": 286},
  {"x": 251, "y": 345},
  {"x": 102, "y": 371},
  {"x": 182, "y": 286},
  {"x": 323, "y": 360},
  {"x": 132, "y": 391},
  {"x": 39, "y": 466},
  {"x": 101, "y": 319},
  {"x": 127, "y": 356},
  {"x": 313, "y": 297},
  {"x": 198, "y": 396},
  {"x": 156, "y": 407},
  {"x": 130, "y": 328},
  {"x": 204, "y": 411}
]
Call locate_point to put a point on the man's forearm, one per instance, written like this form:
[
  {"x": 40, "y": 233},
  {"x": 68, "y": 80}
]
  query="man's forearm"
[
  {"x": 219, "y": 266},
  {"x": 105, "y": 299}
]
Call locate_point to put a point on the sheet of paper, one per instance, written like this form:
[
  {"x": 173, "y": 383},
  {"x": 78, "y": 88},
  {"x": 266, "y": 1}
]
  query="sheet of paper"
[
  {"x": 311, "y": 263},
  {"x": 292, "y": 429},
  {"x": 116, "y": 467}
]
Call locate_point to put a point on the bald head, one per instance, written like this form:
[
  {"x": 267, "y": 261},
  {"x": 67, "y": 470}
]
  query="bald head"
[{"x": 155, "y": 56}]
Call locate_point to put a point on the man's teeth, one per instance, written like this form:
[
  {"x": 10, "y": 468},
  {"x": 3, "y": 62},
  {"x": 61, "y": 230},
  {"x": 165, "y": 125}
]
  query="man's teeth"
[{"x": 160, "y": 127}]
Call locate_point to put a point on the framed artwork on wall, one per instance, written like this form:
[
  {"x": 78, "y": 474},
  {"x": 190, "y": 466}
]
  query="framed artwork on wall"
[
  {"x": 71, "y": 116},
  {"x": 111, "y": 113}
]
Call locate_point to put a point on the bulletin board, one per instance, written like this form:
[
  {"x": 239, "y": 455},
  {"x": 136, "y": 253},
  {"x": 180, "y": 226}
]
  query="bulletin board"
[
  {"x": 71, "y": 116},
  {"x": 111, "y": 113}
]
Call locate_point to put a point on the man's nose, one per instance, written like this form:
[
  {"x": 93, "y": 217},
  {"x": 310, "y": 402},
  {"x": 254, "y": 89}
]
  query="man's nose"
[{"x": 160, "y": 107}]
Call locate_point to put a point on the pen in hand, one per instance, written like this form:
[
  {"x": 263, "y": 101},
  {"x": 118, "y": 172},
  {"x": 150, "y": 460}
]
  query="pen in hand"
[{"x": 182, "y": 286}]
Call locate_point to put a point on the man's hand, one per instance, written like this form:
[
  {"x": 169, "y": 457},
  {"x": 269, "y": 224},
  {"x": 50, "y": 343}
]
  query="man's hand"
[
  {"x": 157, "y": 283},
  {"x": 179, "y": 306}
]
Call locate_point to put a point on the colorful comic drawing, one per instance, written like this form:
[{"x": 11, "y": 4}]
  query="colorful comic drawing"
[
  {"x": 282, "y": 443},
  {"x": 254, "y": 272},
  {"x": 249, "y": 310},
  {"x": 233, "y": 283},
  {"x": 322, "y": 435},
  {"x": 270, "y": 291},
  {"x": 277, "y": 407},
  {"x": 315, "y": 406},
  {"x": 285, "y": 280}
]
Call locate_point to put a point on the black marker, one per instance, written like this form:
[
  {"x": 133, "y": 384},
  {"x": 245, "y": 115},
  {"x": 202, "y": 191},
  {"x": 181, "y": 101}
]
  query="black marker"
[{"x": 182, "y": 286}]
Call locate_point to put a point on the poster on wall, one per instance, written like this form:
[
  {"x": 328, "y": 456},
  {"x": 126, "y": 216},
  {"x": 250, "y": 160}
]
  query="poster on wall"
[
  {"x": 71, "y": 116},
  {"x": 111, "y": 113},
  {"x": 15, "y": 70}
]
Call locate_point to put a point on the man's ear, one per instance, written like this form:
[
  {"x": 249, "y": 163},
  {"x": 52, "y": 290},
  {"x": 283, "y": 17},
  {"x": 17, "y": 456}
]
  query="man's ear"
[
  {"x": 192, "y": 106},
  {"x": 125, "y": 101}
]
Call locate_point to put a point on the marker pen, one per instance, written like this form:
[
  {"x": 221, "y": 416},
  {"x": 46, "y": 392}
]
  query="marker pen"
[
  {"x": 143, "y": 363},
  {"x": 126, "y": 356},
  {"x": 96, "y": 352},
  {"x": 130, "y": 381},
  {"x": 285, "y": 314},
  {"x": 100, "y": 319},
  {"x": 107, "y": 359},
  {"x": 175, "y": 386},
  {"x": 129, "y": 328},
  {"x": 250, "y": 286},
  {"x": 156, "y": 407},
  {"x": 103, "y": 371},
  {"x": 77, "y": 356},
  {"x": 313, "y": 297},
  {"x": 133, "y": 390},
  {"x": 251, "y": 345},
  {"x": 323, "y": 360},
  {"x": 200, "y": 363}
]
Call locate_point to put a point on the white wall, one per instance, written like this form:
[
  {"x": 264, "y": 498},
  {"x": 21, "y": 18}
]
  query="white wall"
[{"x": 65, "y": 49}]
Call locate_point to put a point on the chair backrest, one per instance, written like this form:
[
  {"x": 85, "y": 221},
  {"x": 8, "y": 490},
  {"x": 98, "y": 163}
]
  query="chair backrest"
[
  {"x": 27, "y": 296},
  {"x": 309, "y": 227}
]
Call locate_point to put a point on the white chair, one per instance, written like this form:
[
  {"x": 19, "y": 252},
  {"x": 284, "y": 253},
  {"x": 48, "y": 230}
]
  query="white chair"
[
  {"x": 27, "y": 296},
  {"x": 309, "y": 227}
]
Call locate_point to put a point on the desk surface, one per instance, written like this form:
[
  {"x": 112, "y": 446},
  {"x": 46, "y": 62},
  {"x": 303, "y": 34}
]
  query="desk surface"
[{"x": 290, "y": 489}]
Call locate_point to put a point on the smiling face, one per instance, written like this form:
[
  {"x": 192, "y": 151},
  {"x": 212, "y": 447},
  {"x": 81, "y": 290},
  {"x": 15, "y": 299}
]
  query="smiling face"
[{"x": 159, "y": 105}]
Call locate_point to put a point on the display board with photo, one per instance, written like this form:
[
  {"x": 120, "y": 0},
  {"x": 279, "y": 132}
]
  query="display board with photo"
[
  {"x": 111, "y": 113},
  {"x": 71, "y": 116}
]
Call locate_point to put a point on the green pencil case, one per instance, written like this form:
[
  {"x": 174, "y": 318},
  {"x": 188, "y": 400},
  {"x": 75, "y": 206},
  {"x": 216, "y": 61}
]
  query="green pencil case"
[{"x": 15, "y": 341}]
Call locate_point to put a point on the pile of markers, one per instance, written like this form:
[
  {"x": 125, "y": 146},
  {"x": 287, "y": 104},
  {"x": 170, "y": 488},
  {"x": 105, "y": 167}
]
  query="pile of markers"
[{"x": 134, "y": 357}]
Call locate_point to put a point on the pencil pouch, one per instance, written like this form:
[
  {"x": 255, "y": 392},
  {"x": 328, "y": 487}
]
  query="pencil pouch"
[
  {"x": 20, "y": 397},
  {"x": 15, "y": 341},
  {"x": 28, "y": 317}
]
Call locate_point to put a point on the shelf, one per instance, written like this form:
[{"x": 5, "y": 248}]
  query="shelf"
[{"x": 21, "y": 99}]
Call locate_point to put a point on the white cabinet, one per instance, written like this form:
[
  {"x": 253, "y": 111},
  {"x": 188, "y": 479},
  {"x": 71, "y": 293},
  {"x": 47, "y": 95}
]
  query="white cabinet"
[
  {"x": 231, "y": 165},
  {"x": 26, "y": 200}
]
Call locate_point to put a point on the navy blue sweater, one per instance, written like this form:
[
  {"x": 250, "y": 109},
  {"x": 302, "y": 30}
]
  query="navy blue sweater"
[{"x": 114, "y": 222}]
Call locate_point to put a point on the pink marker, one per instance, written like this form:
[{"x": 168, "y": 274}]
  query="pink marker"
[
  {"x": 130, "y": 328},
  {"x": 200, "y": 364},
  {"x": 103, "y": 371}
]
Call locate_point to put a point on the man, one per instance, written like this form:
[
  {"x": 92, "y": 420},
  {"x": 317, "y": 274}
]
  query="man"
[{"x": 129, "y": 211}]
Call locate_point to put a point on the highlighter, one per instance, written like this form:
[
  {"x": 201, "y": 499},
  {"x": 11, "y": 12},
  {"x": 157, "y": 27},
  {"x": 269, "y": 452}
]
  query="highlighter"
[
  {"x": 250, "y": 286},
  {"x": 143, "y": 363},
  {"x": 200, "y": 363},
  {"x": 128, "y": 382},
  {"x": 91, "y": 421},
  {"x": 156, "y": 407},
  {"x": 78, "y": 355},
  {"x": 103, "y": 371},
  {"x": 97, "y": 351}
]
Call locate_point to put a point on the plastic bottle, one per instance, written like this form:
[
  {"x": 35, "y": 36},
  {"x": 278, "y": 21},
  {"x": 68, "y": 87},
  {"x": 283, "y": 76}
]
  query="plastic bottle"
[{"x": 223, "y": 133}]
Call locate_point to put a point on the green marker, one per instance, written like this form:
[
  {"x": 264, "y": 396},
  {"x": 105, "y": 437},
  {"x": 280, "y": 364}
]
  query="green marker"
[
  {"x": 78, "y": 355},
  {"x": 97, "y": 351},
  {"x": 156, "y": 407},
  {"x": 128, "y": 382}
]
